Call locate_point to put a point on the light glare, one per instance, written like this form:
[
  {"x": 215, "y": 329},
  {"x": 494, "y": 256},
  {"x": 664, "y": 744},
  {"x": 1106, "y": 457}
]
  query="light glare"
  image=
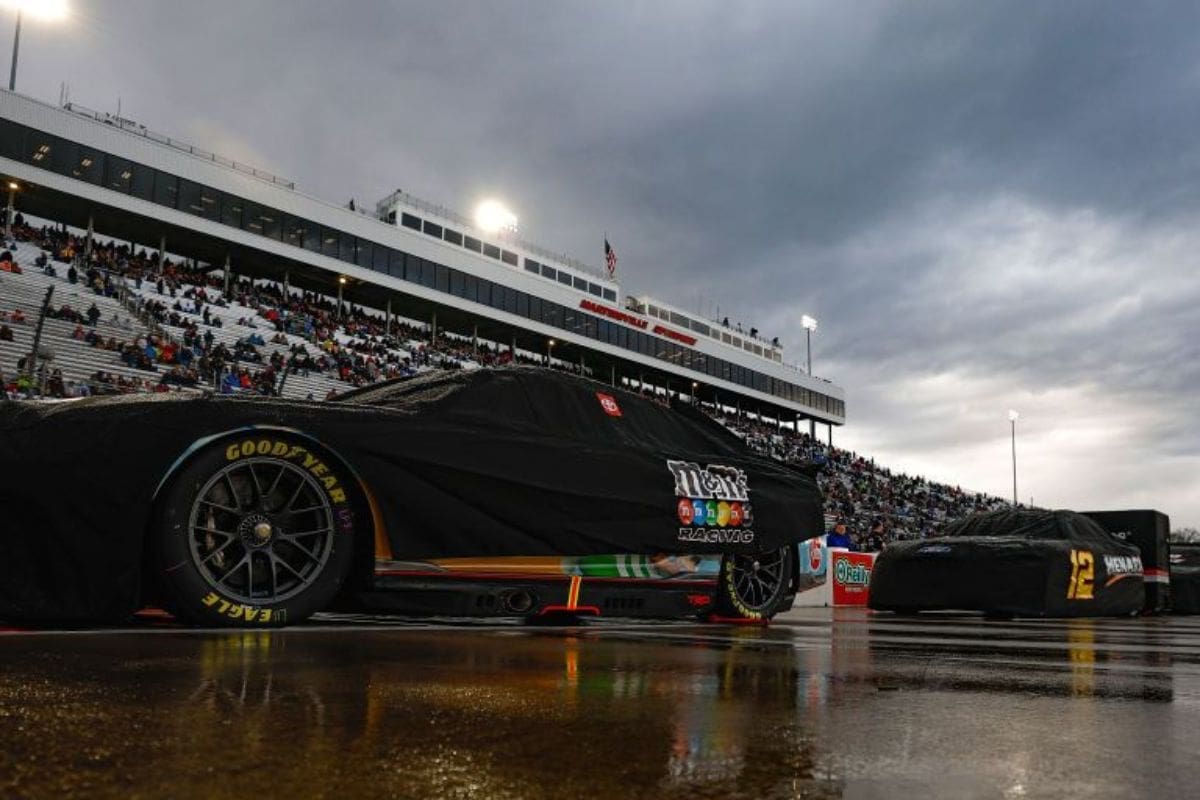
[
  {"x": 808, "y": 323},
  {"x": 491, "y": 217},
  {"x": 1013, "y": 416},
  {"x": 49, "y": 10}
]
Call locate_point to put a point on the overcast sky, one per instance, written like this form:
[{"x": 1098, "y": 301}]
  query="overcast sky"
[{"x": 987, "y": 205}]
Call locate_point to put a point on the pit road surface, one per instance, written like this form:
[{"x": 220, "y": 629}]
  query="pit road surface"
[{"x": 820, "y": 704}]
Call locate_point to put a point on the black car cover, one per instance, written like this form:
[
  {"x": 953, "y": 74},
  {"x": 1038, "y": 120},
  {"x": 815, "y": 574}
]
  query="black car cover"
[
  {"x": 1022, "y": 562},
  {"x": 472, "y": 463},
  {"x": 1185, "y": 578}
]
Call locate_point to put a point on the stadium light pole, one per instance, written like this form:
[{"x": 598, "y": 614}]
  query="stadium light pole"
[
  {"x": 49, "y": 10},
  {"x": 549, "y": 351},
  {"x": 341, "y": 285},
  {"x": 1013, "y": 416},
  {"x": 12, "y": 74},
  {"x": 8, "y": 216},
  {"x": 809, "y": 324}
]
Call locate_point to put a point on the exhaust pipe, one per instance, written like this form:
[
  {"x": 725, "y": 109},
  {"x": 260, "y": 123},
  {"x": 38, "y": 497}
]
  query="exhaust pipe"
[{"x": 518, "y": 601}]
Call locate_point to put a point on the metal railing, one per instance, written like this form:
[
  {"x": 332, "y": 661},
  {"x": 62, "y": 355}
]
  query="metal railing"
[
  {"x": 450, "y": 215},
  {"x": 138, "y": 129}
]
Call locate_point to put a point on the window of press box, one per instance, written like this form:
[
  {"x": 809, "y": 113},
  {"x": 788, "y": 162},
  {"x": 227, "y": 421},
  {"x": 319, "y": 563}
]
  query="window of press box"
[
  {"x": 491, "y": 251},
  {"x": 118, "y": 174},
  {"x": 395, "y": 263},
  {"x": 329, "y": 242},
  {"x": 189, "y": 198},
  {"x": 580, "y": 283},
  {"x": 508, "y": 258},
  {"x": 564, "y": 278},
  {"x": 453, "y": 237},
  {"x": 346, "y": 248},
  {"x": 231, "y": 207},
  {"x": 362, "y": 253},
  {"x": 89, "y": 167},
  {"x": 594, "y": 289},
  {"x": 549, "y": 272},
  {"x": 293, "y": 230},
  {"x": 166, "y": 189},
  {"x": 532, "y": 266},
  {"x": 409, "y": 221},
  {"x": 12, "y": 140},
  {"x": 38, "y": 148},
  {"x": 379, "y": 258},
  {"x": 483, "y": 292},
  {"x": 433, "y": 229},
  {"x": 270, "y": 222},
  {"x": 210, "y": 203},
  {"x": 63, "y": 155},
  {"x": 471, "y": 243},
  {"x": 611, "y": 295}
]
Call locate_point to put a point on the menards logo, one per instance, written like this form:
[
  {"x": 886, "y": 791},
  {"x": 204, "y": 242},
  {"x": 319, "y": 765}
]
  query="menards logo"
[
  {"x": 1119, "y": 567},
  {"x": 849, "y": 574}
]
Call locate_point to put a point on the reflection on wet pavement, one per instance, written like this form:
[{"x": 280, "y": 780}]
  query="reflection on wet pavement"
[{"x": 849, "y": 705}]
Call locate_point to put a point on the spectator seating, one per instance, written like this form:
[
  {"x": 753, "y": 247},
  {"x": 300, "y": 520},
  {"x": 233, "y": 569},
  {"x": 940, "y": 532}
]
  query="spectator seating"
[{"x": 77, "y": 360}]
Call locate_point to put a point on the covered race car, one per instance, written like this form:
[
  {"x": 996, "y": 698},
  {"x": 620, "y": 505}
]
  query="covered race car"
[
  {"x": 1185, "y": 578},
  {"x": 490, "y": 492},
  {"x": 1012, "y": 562}
]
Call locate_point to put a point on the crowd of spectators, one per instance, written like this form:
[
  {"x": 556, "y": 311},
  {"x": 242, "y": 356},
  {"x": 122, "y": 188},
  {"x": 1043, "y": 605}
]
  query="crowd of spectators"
[
  {"x": 866, "y": 503},
  {"x": 348, "y": 344}
]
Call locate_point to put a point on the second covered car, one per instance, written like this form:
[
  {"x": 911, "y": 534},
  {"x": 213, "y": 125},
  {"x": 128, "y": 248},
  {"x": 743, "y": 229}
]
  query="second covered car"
[{"x": 1013, "y": 562}]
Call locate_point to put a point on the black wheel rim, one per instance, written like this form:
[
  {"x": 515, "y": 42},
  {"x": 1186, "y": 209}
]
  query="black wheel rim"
[
  {"x": 757, "y": 579},
  {"x": 261, "y": 531}
]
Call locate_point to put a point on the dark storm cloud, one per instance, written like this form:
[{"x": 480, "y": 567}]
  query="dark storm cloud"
[{"x": 1003, "y": 193}]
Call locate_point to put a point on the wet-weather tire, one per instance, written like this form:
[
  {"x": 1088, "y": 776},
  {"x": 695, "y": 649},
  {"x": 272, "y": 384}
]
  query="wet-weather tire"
[
  {"x": 254, "y": 531},
  {"x": 754, "y": 587}
]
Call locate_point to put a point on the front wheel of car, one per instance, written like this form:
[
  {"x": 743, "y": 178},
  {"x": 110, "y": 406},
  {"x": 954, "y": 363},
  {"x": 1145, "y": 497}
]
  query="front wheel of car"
[
  {"x": 256, "y": 531},
  {"x": 754, "y": 587}
]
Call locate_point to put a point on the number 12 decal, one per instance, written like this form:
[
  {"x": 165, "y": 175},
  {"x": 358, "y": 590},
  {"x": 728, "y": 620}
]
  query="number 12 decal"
[{"x": 1083, "y": 573}]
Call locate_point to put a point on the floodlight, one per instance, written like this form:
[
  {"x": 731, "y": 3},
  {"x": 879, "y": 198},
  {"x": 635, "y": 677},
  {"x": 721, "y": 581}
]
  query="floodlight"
[
  {"x": 49, "y": 10},
  {"x": 491, "y": 216},
  {"x": 808, "y": 323}
]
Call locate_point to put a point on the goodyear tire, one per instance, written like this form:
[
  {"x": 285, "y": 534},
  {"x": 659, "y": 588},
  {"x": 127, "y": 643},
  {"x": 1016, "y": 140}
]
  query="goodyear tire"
[
  {"x": 754, "y": 587},
  {"x": 255, "y": 531}
]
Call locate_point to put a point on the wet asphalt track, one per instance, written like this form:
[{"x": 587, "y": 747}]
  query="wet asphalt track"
[{"x": 818, "y": 705}]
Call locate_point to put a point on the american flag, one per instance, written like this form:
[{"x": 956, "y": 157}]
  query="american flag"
[{"x": 610, "y": 258}]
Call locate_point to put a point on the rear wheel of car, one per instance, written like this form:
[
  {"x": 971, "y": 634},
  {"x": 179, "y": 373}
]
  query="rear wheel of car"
[
  {"x": 256, "y": 531},
  {"x": 754, "y": 587}
]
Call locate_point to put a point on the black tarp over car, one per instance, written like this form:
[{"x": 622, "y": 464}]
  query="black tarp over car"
[
  {"x": 477, "y": 463},
  {"x": 1021, "y": 562},
  {"x": 1149, "y": 531},
  {"x": 1185, "y": 578}
]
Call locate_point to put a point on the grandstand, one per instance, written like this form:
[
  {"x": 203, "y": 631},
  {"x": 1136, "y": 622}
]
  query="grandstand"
[
  {"x": 409, "y": 259},
  {"x": 75, "y": 361}
]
